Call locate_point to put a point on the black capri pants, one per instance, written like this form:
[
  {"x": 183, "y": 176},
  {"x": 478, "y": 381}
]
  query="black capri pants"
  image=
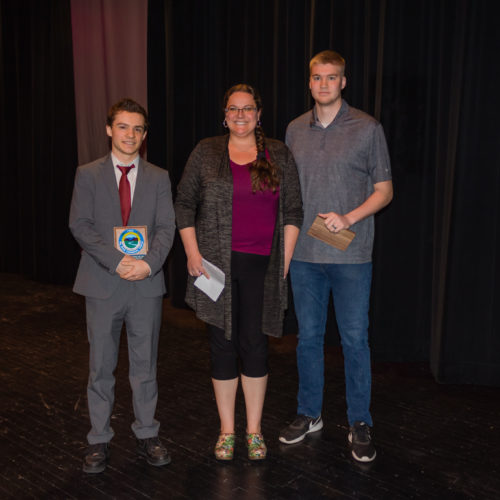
[{"x": 248, "y": 344}]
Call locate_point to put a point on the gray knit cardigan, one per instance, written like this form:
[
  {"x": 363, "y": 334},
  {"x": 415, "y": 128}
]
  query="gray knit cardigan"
[{"x": 204, "y": 201}]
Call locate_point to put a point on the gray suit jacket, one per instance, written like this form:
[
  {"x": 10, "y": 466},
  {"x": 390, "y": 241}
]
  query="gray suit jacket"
[{"x": 95, "y": 210}]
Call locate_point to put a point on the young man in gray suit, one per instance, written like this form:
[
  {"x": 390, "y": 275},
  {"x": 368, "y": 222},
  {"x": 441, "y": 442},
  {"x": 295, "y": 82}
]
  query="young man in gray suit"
[{"x": 121, "y": 211}]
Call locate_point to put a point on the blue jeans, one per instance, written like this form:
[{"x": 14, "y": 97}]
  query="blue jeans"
[{"x": 350, "y": 285}]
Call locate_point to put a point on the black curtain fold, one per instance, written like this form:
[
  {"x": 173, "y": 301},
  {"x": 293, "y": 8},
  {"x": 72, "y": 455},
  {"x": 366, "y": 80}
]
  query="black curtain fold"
[
  {"x": 466, "y": 333},
  {"x": 426, "y": 69},
  {"x": 39, "y": 139}
]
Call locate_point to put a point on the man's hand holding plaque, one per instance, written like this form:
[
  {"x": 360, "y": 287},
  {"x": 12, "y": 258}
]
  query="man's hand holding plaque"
[
  {"x": 325, "y": 230},
  {"x": 133, "y": 269}
]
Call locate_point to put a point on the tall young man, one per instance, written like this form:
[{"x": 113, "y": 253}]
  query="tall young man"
[
  {"x": 345, "y": 175},
  {"x": 121, "y": 205}
]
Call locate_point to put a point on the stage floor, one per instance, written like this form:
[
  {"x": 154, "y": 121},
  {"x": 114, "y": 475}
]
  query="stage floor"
[{"x": 433, "y": 441}]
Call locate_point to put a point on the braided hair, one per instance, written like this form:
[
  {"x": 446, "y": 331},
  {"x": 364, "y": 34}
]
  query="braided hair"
[{"x": 264, "y": 173}]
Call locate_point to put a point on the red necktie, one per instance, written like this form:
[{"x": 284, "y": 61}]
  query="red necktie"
[{"x": 124, "y": 190}]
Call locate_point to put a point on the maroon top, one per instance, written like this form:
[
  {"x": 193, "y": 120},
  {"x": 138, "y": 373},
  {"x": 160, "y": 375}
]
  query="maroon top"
[{"x": 254, "y": 214}]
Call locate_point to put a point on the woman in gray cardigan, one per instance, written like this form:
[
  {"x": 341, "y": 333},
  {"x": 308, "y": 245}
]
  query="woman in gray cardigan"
[{"x": 239, "y": 207}]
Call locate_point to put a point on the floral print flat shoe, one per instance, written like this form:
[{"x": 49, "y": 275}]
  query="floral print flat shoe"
[
  {"x": 224, "y": 448},
  {"x": 257, "y": 449}
]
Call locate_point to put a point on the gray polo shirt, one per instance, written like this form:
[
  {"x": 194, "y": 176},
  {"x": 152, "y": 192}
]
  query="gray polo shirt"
[{"x": 338, "y": 166}]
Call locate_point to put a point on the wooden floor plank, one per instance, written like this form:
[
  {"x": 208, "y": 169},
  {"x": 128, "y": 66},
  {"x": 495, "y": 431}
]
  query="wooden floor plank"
[{"x": 433, "y": 441}]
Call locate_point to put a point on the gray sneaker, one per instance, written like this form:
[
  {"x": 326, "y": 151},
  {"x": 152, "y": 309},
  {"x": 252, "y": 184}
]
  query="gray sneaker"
[
  {"x": 298, "y": 429},
  {"x": 362, "y": 448}
]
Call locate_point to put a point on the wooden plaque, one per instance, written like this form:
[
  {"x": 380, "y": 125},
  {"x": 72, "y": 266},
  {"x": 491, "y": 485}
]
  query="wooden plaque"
[
  {"x": 340, "y": 240},
  {"x": 132, "y": 240}
]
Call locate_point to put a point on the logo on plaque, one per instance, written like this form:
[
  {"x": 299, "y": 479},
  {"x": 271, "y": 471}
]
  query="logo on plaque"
[{"x": 131, "y": 240}]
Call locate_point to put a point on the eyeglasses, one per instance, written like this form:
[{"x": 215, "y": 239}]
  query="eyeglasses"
[{"x": 247, "y": 110}]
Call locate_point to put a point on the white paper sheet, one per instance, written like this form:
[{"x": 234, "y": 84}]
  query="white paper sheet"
[{"x": 213, "y": 286}]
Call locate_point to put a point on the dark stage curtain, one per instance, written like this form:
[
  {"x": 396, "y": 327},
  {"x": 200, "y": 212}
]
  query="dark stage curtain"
[
  {"x": 428, "y": 71},
  {"x": 37, "y": 129}
]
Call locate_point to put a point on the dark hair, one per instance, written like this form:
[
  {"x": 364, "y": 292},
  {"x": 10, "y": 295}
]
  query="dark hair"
[
  {"x": 129, "y": 105},
  {"x": 263, "y": 172}
]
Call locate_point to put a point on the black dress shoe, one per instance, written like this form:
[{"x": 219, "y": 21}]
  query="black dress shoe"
[
  {"x": 155, "y": 453},
  {"x": 96, "y": 458}
]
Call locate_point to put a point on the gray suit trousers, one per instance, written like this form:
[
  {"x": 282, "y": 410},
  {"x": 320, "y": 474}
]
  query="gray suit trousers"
[{"x": 105, "y": 318}]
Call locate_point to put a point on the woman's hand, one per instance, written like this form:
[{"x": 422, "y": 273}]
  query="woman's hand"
[
  {"x": 195, "y": 265},
  {"x": 291, "y": 235},
  {"x": 194, "y": 262}
]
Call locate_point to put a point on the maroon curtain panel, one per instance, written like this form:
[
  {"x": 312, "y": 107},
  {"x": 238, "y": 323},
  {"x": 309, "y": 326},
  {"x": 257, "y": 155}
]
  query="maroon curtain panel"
[{"x": 110, "y": 62}]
